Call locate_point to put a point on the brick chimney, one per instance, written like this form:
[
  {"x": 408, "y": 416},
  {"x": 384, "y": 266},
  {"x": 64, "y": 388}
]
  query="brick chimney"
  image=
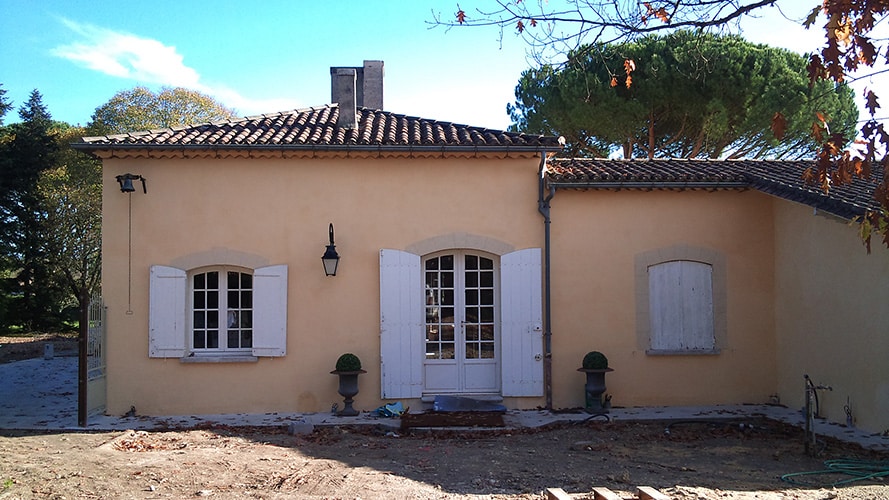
[{"x": 356, "y": 87}]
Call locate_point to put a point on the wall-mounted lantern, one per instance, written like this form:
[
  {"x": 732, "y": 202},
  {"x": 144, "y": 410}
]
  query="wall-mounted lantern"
[
  {"x": 330, "y": 259},
  {"x": 126, "y": 183}
]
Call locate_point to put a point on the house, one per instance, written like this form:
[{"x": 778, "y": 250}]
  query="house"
[{"x": 472, "y": 262}]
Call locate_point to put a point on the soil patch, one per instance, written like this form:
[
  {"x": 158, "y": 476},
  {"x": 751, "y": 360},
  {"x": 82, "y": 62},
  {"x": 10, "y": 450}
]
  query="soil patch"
[{"x": 701, "y": 460}]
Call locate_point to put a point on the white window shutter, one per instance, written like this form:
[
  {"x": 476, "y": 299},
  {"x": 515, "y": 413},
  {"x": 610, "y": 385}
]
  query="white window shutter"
[
  {"x": 521, "y": 326},
  {"x": 681, "y": 306},
  {"x": 401, "y": 325},
  {"x": 166, "y": 312},
  {"x": 270, "y": 311}
]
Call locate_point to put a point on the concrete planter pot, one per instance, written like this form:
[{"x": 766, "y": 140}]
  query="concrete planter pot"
[
  {"x": 595, "y": 387},
  {"x": 348, "y": 389}
]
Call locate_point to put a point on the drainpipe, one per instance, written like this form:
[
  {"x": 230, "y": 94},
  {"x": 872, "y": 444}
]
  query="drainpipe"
[{"x": 543, "y": 207}]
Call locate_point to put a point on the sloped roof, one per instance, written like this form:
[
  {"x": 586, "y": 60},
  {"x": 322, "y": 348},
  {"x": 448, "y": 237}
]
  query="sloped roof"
[
  {"x": 317, "y": 127},
  {"x": 781, "y": 178}
]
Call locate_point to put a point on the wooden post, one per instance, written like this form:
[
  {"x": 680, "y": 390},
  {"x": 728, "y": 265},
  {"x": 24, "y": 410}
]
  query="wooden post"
[{"x": 83, "y": 339}]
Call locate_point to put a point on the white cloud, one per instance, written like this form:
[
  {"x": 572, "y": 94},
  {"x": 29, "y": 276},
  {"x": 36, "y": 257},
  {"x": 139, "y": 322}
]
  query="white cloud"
[
  {"x": 149, "y": 61},
  {"x": 127, "y": 56}
]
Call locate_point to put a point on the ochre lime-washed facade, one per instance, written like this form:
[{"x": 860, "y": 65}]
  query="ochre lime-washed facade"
[{"x": 475, "y": 263}]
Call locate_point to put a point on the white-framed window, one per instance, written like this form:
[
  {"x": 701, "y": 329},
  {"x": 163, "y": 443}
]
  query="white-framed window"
[
  {"x": 222, "y": 310},
  {"x": 217, "y": 313},
  {"x": 681, "y": 304}
]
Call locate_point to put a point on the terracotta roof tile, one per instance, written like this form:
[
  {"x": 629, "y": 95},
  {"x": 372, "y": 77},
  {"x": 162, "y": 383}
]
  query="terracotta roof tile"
[
  {"x": 317, "y": 127},
  {"x": 776, "y": 177}
]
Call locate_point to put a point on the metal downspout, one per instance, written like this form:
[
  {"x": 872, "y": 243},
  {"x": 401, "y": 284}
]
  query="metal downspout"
[{"x": 544, "y": 208}]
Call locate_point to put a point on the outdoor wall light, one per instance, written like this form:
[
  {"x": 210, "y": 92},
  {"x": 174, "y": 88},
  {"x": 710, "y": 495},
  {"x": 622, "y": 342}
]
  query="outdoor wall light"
[
  {"x": 330, "y": 259},
  {"x": 126, "y": 183}
]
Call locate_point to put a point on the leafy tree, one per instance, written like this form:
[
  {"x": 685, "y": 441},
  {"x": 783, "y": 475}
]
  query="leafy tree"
[
  {"x": 30, "y": 147},
  {"x": 71, "y": 196},
  {"x": 141, "y": 109},
  {"x": 5, "y": 105},
  {"x": 691, "y": 95},
  {"x": 554, "y": 27}
]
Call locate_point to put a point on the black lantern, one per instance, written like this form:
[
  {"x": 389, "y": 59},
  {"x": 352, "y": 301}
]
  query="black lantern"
[
  {"x": 330, "y": 259},
  {"x": 126, "y": 182}
]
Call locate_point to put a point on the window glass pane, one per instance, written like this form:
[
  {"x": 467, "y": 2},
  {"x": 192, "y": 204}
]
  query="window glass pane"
[
  {"x": 471, "y": 262},
  {"x": 472, "y": 314},
  {"x": 447, "y": 332},
  {"x": 199, "y": 342},
  {"x": 432, "y": 264},
  {"x": 246, "y": 319},
  {"x": 447, "y": 280},
  {"x": 447, "y": 314},
  {"x": 212, "y": 339},
  {"x": 212, "y": 300},
  {"x": 487, "y": 332},
  {"x": 447, "y": 297},
  {"x": 431, "y": 333},
  {"x": 199, "y": 320},
  {"x": 232, "y": 319},
  {"x": 487, "y": 279},
  {"x": 213, "y": 280},
  {"x": 447, "y": 262},
  {"x": 200, "y": 300},
  {"x": 213, "y": 319},
  {"x": 487, "y": 350},
  {"x": 472, "y": 332},
  {"x": 233, "y": 299},
  {"x": 233, "y": 336},
  {"x": 246, "y": 338},
  {"x": 200, "y": 281},
  {"x": 246, "y": 281},
  {"x": 486, "y": 263},
  {"x": 471, "y": 297},
  {"x": 487, "y": 314},
  {"x": 487, "y": 297},
  {"x": 247, "y": 299},
  {"x": 472, "y": 280},
  {"x": 447, "y": 350},
  {"x": 471, "y": 351},
  {"x": 431, "y": 280},
  {"x": 432, "y": 315},
  {"x": 233, "y": 281}
]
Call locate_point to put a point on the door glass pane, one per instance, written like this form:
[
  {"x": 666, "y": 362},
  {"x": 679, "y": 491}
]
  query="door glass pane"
[{"x": 440, "y": 301}]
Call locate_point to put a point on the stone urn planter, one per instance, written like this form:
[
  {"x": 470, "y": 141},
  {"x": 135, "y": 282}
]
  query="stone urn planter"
[
  {"x": 348, "y": 367},
  {"x": 595, "y": 366}
]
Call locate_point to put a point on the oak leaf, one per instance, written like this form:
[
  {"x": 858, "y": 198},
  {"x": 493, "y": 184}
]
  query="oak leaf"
[
  {"x": 871, "y": 102},
  {"x": 461, "y": 16},
  {"x": 520, "y": 26}
]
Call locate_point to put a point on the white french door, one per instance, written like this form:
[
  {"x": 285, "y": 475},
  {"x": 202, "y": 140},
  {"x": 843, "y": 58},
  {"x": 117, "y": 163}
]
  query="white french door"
[{"x": 461, "y": 326}]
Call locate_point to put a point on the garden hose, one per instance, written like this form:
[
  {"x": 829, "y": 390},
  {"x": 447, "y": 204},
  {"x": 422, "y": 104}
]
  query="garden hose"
[{"x": 860, "y": 470}]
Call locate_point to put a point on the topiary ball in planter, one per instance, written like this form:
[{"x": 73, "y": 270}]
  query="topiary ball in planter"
[
  {"x": 595, "y": 360},
  {"x": 348, "y": 363}
]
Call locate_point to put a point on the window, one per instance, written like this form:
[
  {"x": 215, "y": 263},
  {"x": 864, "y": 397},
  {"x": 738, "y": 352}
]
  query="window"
[
  {"x": 681, "y": 303},
  {"x": 220, "y": 313},
  {"x": 222, "y": 307}
]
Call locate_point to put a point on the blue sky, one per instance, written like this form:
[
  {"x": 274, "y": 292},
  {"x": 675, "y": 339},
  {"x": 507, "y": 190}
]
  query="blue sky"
[{"x": 275, "y": 55}]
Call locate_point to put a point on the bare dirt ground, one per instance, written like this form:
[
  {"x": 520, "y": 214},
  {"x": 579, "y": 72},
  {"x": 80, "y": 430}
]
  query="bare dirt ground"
[{"x": 686, "y": 460}]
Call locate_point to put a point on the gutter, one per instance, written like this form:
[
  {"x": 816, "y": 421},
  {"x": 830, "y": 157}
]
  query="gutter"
[
  {"x": 543, "y": 207},
  {"x": 651, "y": 185},
  {"x": 84, "y": 146}
]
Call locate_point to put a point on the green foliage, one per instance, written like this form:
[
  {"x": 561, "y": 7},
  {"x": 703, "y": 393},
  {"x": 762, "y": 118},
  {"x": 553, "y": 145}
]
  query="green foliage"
[
  {"x": 141, "y": 109},
  {"x": 595, "y": 360},
  {"x": 689, "y": 95},
  {"x": 32, "y": 295},
  {"x": 71, "y": 197},
  {"x": 5, "y": 105},
  {"x": 348, "y": 363}
]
